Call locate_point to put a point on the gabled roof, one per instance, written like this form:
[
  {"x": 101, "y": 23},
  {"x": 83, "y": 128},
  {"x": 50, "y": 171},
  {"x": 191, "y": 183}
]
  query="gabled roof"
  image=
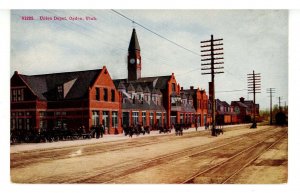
[
  {"x": 121, "y": 86},
  {"x": 225, "y": 104},
  {"x": 45, "y": 85},
  {"x": 239, "y": 104},
  {"x": 146, "y": 90},
  {"x": 142, "y": 105},
  {"x": 158, "y": 82},
  {"x": 130, "y": 88},
  {"x": 139, "y": 88},
  {"x": 134, "y": 42},
  {"x": 187, "y": 108}
]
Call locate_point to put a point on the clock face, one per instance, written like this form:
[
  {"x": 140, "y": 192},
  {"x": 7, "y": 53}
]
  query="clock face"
[{"x": 132, "y": 61}]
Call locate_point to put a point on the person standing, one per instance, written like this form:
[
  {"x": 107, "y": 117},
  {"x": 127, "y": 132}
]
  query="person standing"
[
  {"x": 101, "y": 130},
  {"x": 97, "y": 130}
]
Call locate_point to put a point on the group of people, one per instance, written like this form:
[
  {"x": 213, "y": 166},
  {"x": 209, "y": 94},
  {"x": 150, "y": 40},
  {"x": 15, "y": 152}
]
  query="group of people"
[
  {"x": 136, "y": 129},
  {"x": 99, "y": 131}
]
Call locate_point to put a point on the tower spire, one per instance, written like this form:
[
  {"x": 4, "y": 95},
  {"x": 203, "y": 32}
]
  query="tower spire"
[
  {"x": 134, "y": 42},
  {"x": 134, "y": 61}
]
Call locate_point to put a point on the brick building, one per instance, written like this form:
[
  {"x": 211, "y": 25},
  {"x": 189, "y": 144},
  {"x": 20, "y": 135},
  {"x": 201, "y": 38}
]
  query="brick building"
[
  {"x": 146, "y": 100},
  {"x": 242, "y": 110},
  {"x": 199, "y": 101},
  {"x": 65, "y": 100}
]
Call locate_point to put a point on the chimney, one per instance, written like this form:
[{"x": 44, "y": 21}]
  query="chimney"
[
  {"x": 242, "y": 99},
  {"x": 192, "y": 87},
  {"x": 181, "y": 88}
]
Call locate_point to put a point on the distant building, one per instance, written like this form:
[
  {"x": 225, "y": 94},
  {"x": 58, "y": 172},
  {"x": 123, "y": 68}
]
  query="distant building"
[
  {"x": 199, "y": 100},
  {"x": 224, "y": 113},
  {"x": 244, "y": 109}
]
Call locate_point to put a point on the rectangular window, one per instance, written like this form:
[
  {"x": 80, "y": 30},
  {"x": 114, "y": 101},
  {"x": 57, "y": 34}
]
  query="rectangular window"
[
  {"x": 181, "y": 118},
  {"x": 112, "y": 95},
  {"x": 97, "y": 94},
  {"x": 144, "y": 118},
  {"x": 115, "y": 119},
  {"x": 105, "y": 119},
  {"x": 135, "y": 118},
  {"x": 14, "y": 95},
  {"x": 159, "y": 119},
  {"x": 17, "y": 95},
  {"x": 42, "y": 113},
  {"x": 173, "y": 87},
  {"x": 151, "y": 119},
  {"x": 105, "y": 94},
  {"x": 28, "y": 124},
  {"x": 95, "y": 118},
  {"x": 20, "y": 124},
  {"x": 13, "y": 124},
  {"x": 60, "y": 93}
]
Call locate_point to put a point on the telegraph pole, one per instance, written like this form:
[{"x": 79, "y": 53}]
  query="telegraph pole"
[
  {"x": 208, "y": 48},
  {"x": 279, "y": 104},
  {"x": 271, "y": 91},
  {"x": 254, "y": 86}
]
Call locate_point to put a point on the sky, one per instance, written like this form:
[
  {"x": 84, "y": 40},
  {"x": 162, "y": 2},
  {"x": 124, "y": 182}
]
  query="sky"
[{"x": 253, "y": 40}]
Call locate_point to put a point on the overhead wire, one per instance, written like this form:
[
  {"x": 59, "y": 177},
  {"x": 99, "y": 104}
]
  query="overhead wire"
[{"x": 146, "y": 28}]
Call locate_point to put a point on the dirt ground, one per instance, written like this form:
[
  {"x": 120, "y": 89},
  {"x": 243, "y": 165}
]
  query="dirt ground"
[{"x": 240, "y": 155}]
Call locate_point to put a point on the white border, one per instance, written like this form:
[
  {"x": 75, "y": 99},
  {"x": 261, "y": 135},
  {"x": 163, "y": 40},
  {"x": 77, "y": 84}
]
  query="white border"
[{"x": 294, "y": 69}]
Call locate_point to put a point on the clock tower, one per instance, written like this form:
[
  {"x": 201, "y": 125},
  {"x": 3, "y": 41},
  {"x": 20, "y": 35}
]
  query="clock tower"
[{"x": 134, "y": 63}]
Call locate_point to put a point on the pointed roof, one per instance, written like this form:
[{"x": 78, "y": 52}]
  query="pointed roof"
[
  {"x": 77, "y": 83},
  {"x": 121, "y": 86},
  {"x": 130, "y": 88},
  {"x": 153, "y": 91},
  {"x": 139, "y": 88},
  {"x": 134, "y": 43},
  {"x": 146, "y": 90},
  {"x": 158, "y": 92}
]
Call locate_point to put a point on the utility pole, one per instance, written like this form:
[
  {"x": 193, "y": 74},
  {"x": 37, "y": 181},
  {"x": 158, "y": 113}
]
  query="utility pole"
[
  {"x": 279, "y": 103},
  {"x": 271, "y": 91},
  {"x": 208, "y": 48},
  {"x": 254, "y": 86}
]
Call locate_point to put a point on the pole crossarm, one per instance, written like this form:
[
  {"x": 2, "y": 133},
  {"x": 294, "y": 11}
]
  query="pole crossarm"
[
  {"x": 209, "y": 48},
  {"x": 213, "y": 49},
  {"x": 221, "y": 53},
  {"x": 212, "y": 40},
  {"x": 254, "y": 87}
]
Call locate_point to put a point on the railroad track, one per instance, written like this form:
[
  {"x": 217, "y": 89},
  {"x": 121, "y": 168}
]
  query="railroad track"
[
  {"x": 109, "y": 173},
  {"x": 37, "y": 156},
  {"x": 221, "y": 173},
  {"x": 132, "y": 166}
]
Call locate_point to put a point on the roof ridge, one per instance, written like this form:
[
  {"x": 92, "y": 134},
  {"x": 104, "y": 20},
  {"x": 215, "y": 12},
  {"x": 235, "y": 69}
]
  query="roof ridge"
[{"x": 36, "y": 75}]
